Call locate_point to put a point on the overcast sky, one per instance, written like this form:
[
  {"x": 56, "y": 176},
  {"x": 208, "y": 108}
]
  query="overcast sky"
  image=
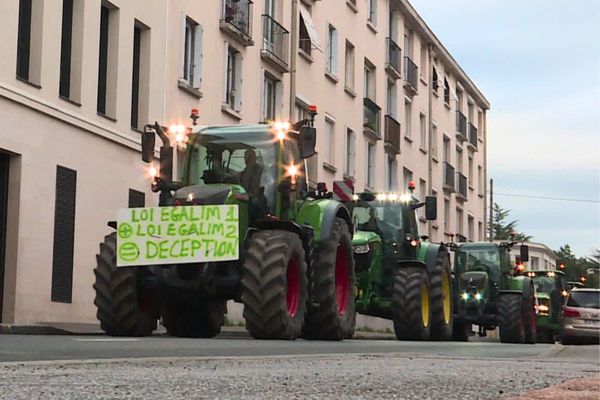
[{"x": 538, "y": 63}]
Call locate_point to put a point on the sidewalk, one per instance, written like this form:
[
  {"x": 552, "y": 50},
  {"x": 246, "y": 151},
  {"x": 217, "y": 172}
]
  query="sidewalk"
[
  {"x": 57, "y": 328},
  {"x": 577, "y": 389}
]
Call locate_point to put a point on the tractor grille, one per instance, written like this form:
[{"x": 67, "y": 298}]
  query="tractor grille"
[{"x": 474, "y": 279}]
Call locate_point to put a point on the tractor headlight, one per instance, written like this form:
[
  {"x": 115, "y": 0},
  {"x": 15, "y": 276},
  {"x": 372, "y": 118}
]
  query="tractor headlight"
[
  {"x": 361, "y": 249},
  {"x": 543, "y": 308},
  {"x": 465, "y": 296},
  {"x": 478, "y": 296}
]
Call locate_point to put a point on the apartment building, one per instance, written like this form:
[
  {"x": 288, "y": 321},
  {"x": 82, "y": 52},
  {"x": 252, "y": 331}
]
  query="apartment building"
[{"x": 80, "y": 79}]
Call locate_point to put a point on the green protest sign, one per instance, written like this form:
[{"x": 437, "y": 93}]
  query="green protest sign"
[{"x": 176, "y": 235}]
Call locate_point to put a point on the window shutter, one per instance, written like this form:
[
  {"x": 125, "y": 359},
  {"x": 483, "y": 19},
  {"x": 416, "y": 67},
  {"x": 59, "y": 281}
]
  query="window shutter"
[
  {"x": 334, "y": 51},
  {"x": 64, "y": 235},
  {"x": 182, "y": 22},
  {"x": 198, "y": 55}
]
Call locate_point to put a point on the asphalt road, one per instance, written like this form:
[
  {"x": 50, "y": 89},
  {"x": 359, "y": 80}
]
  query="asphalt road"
[{"x": 162, "y": 367}]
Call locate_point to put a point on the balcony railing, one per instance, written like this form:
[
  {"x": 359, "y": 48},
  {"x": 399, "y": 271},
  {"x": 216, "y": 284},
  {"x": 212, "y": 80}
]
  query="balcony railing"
[
  {"x": 238, "y": 15},
  {"x": 394, "y": 57},
  {"x": 449, "y": 177},
  {"x": 371, "y": 115},
  {"x": 392, "y": 134},
  {"x": 462, "y": 186},
  {"x": 472, "y": 136},
  {"x": 411, "y": 73},
  {"x": 275, "y": 39},
  {"x": 461, "y": 125}
]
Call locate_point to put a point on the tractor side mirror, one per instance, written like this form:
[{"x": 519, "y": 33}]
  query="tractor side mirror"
[
  {"x": 431, "y": 208},
  {"x": 148, "y": 143},
  {"x": 307, "y": 141},
  {"x": 524, "y": 253}
]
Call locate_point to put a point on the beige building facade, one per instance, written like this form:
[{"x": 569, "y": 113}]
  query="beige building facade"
[{"x": 80, "y": 78}]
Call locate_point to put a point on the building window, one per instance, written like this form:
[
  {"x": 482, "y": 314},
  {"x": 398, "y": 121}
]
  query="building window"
[
  {"x": 140, "y": 75},
  {"x": 349, "y": 66},
  {"x": 459, "y": 221},
  {"x": 107, "y": 61},
  {"x": 29, "y": 50},
  {"x": 135, "y": 79},
  {"x": 392, "y": 174},
  {"x": 422, "y": 132},
  {"x": 459, "y": 159},
  {"x": 471, "y": 228},
  {"x": 301, "y": 112},
  {"x": 459, "y": 99},
  {"x": 191, "y": 71},
  {"x": 233, "y": 81},
  {"x": 423, "y": 66},
  {"x": 350, "y": 153},
  {"x": 446, "y": 215},
  {"x": 332, "y": 49},
  {"x": 433, "y": 140},
  {"x": 329, "y": 149},
  {"x": 470, "y": 112},
  {"x": 446, "y": 92},
  {"x": 392, "y": 98},
  {"x": 370, "y": 82},
  {"x": 479, "y": 124},
  {"x": 422, "y": 195},
  {"x": 436, "y": 80},
  {"x": 471, "y": 183},
  {"x": 407, "y": 176},
  {"x": 65, "y": 49},
  {"x": 373, "y": 11},
  {"x": 408, "y": 118},
  {"x": 480, "y": 180},
  {"x": 446, "y": 149},
  {"x": 308, "y": 37},
  {"x": 371, "y": 161},
  {"x": 480, "y": 231},
  {"x": 271, "y": 97}
]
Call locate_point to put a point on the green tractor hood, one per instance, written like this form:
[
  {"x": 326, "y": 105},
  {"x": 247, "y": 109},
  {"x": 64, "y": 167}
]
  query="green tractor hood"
[{"x": 363, "y": 237}]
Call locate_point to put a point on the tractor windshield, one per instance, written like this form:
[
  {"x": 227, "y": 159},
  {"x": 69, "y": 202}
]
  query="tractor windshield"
[
  {"x": 479, "y": 259},
  {"x": 241, "y": 158},
  {"x": 544, "y": 283},
  {"x": 382, "y": 218}
]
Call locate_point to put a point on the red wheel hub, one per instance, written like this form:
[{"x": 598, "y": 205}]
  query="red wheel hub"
[
  {"x": 292, "y": 296},
  {"x": 342, "y": 279}
]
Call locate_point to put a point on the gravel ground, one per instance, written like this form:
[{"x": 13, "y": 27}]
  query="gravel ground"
[{"x": 390, "y": 376}]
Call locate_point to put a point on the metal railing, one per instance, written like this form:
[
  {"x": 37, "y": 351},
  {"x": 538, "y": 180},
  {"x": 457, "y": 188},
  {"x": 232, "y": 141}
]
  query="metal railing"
[
  {"x": 449, "y": 175},
  {"x": 392, "y": 133},
  {"x": 461, "y": 124},
  {"x": 394, "y": 55},
  {"x": 238, "y": 13},
  {"x": 275, "y": 39},
  {"x": 411, "y": 73},
  {"x": 472, "y": 135},
  {"x": 371, "y": 114},
  {"x": 462, "y": 185}
]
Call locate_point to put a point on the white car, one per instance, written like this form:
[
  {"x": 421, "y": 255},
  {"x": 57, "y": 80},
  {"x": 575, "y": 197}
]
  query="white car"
[{"x": 581, "y": 322}]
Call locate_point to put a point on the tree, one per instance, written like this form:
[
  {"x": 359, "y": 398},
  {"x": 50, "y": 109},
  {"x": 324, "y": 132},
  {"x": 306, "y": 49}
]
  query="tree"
[
  {"x": 501, "y": 229},
  {"x": 577, "y": 267}
]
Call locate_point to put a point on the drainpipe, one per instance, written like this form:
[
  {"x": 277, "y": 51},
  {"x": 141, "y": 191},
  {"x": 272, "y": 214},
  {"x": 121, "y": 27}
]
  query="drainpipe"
[
  {"x": 293, "y": 57},
  {"x": 430, "y": 51}
]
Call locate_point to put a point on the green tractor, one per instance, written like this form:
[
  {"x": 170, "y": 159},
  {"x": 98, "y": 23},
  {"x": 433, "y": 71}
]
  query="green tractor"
[
  {"x": 399, "y": 275},
  {"x": 490, "y": 293},
  {"x": 550, "y": 293},
  {"x": 241, "y": 224}
]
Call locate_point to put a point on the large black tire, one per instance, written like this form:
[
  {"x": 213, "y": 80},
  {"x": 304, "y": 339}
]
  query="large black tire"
[
  {"x": 530, "y": 318},
  {"x": 459, "y": 331},
  {"x": 510, "y": 318},
  {"x": 333, "y": 281},
  {"x": 410, "y": 304},
  {"x": 274, "y": 285},
  {"x": 201, "y": 320},
  {"x": 442, "y": 319},
  {"x": 117, "y": 298}
]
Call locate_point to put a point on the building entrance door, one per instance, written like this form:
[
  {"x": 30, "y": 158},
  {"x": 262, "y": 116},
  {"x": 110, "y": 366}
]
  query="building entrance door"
[{"x": 4, "y": 162}]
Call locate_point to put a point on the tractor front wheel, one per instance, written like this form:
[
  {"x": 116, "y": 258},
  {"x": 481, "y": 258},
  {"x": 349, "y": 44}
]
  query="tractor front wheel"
[
  {"x": 410, "y": 304},
  {"x": 274, "y": 285},
  {"x": 511, "y": 318},
  {"x": 332, "y": 279},
  {"x": 201, "y": 320},
  {"x": 121, "y": 309},
  {"x": 530, "y": 318}
]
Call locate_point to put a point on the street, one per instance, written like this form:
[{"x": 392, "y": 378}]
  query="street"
[{"x": 73, "y": 367}]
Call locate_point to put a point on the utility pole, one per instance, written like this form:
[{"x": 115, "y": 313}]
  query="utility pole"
[
  {"x": 293, "y": 57},
  {"x": 491, "y": 210}
]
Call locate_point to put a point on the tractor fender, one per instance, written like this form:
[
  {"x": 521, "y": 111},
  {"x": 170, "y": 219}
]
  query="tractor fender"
[
  {"x": 411, "y": 263},
  {"x": 321, "y": 214},
  {"x": 430, "y": 254},
  {"x": 304, "y": 232}
]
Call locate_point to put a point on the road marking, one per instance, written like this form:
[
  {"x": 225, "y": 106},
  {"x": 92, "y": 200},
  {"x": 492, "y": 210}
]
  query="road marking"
[{"x": 108, "y": 340}]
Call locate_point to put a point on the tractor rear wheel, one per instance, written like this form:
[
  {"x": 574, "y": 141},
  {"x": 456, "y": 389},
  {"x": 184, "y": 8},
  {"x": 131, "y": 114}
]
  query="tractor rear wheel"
[
  {"x": 411, "y": 304},
  {"x": 201, "y": 320},
  {"x": 511, "y": 319},
  {"x": 332, "y": 280},
  {"x": 441, "y": 299},
  {"x": 121, "y": 309},
  {"x": 274, "y": 285}
]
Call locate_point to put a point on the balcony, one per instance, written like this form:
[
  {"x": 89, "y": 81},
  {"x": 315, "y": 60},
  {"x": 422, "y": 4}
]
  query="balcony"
[
  {"x": 371, "y": 118},
  {"x": 275, "y": 43},
  {"x": 472, "y": 137},
  {"x": 449, "y": 178},
  {"x": 411, "y": 75},
  {"x": 461, "y": 126},
  {"x": 236, "y": 20},
  {"x": 461, "y": 193},
  {"x": 392, "y": 135},
  {"x": 393, "y": 61}
]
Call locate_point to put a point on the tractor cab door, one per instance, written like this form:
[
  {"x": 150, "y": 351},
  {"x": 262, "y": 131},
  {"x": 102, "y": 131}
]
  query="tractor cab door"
[{"x": 291, "y": 179}]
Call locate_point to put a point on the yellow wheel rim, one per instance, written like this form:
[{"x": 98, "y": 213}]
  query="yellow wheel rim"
[
  {"x": 425, "y": 305},
  {"x": 446, "y": 297}
]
